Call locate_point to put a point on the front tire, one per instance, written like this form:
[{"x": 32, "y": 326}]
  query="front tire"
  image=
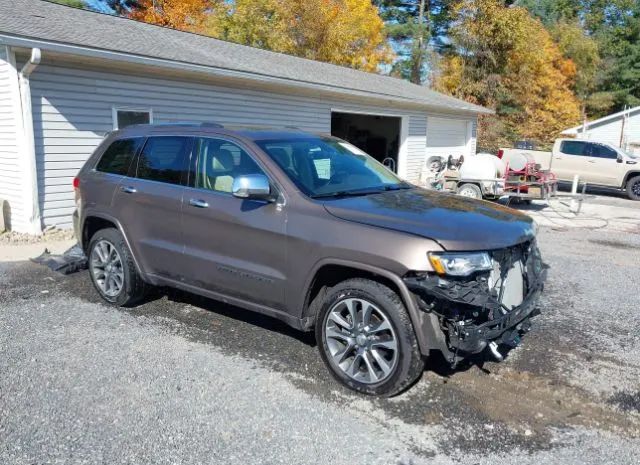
[
  {"x": 112, "y": 269},
  {"x": 633, "y": 188},
  {"x": 366, "y": 338}
]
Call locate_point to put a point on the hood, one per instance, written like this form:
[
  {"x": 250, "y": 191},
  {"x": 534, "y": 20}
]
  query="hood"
[{"x": 456, "y": 223}]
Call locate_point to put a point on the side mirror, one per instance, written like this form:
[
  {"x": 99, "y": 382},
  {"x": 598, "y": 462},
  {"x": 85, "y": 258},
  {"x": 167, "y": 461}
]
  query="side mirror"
[
  {"x": 251, "y": 186},
  {"x": 619, "y": 159}
]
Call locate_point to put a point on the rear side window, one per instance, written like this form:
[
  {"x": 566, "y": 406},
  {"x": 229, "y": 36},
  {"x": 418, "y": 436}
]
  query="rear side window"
[
  {"x": 163, "y": 159},
  {"x": 573, "y": 147},
  {"x": 118, "y": 156}
]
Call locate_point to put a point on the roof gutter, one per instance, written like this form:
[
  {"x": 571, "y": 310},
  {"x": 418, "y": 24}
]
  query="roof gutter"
[
  {"x": 30, "y": 187},
  {"x": 222, "y": 72}
]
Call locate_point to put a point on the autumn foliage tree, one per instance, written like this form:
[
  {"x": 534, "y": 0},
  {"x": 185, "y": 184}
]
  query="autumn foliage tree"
[
  {"x": 504, "y": 59},
  {"x": 344, "y": 32}
]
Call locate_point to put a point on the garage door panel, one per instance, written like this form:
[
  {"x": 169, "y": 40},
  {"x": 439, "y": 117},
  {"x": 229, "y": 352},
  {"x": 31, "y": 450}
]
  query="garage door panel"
[{"x": 446, "y": 137}]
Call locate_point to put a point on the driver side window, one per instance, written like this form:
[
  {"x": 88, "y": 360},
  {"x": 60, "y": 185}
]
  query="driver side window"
[{"x": 219, "y": 162}]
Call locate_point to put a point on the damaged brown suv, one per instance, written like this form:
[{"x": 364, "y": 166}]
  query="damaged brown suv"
[{"x": 310, "y": 230}]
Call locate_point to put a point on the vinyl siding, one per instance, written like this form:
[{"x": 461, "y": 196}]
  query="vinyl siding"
[
  {"x": 610, "y": 131},
  {"x": 416, "y": 147},
  {"x": 11, "y": 184},
  {"x": 72, "y": 110}
]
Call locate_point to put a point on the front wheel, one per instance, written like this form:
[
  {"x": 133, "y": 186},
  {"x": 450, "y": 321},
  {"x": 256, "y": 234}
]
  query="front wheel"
[
  {"x": 633, "y": 188},
  {"x": 366, "y": 338}
]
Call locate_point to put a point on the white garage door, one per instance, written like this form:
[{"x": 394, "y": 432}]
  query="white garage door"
[{"x": 446, "y": 137}]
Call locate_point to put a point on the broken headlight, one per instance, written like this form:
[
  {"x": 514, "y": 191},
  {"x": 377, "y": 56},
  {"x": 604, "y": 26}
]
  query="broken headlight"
[{"x": 460, "y": 263}]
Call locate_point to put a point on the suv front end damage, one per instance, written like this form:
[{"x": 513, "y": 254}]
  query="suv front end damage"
[{"x": 488, "y": 308}]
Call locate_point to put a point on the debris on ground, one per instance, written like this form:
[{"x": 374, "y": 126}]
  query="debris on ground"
[{"x": 72, "y": 260}]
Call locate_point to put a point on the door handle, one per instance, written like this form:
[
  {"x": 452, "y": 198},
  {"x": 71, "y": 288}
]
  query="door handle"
[
  {"x": 128, "y": 189},
  {"x": 198, "y": 203},
  {"x": 591, "y": 161}
]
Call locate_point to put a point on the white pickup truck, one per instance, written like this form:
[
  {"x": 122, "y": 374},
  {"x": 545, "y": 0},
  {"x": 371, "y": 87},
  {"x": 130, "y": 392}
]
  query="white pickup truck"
[{"x": 597, "y": 164}]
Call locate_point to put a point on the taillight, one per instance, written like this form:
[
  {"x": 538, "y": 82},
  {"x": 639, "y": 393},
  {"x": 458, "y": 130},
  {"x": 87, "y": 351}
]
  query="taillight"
[
  {"x": 500, "y": 154},
  {"x": 76, "y": 183}
]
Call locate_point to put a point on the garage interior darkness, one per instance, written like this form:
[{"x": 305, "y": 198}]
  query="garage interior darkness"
[{"x": 379, "y": 136}]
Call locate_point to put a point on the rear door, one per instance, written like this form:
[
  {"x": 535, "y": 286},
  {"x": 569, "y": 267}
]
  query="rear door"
[
  {"x": 101, "y": 182},
  {"x": 148, "y": 203},
  {"x": 233, "y": 246},
  {"x": 570, "y": 160}
]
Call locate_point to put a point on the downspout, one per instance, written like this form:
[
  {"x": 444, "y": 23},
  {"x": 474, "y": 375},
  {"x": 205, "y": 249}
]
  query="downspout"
[{"x": 30, "y": 188}]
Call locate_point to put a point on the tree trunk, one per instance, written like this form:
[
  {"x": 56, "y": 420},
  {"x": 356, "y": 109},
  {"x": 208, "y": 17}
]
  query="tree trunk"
[{"x": 418, "y": 46}]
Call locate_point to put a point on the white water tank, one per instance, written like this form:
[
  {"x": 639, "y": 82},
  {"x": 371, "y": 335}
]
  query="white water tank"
[
  {"x": 482, "y": 166},
  {"x": 518, "y": 160}
]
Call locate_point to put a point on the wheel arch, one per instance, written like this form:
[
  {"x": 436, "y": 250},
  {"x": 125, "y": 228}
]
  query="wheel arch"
[
  {"x": 628, "y": 176},
  {"x": 329, "y": 272},
  {"x": 95, "y": 221}
]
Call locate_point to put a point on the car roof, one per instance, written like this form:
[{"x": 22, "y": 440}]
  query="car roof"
[{"x": 206, "y": 128}]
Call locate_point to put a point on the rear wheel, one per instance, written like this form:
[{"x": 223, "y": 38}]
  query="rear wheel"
[
  {"x": 633, "y": 188},
  {"x": 366, "y": 338},
  {"x": 112, "y": 269},
  {"x": 470, "y": 190}
]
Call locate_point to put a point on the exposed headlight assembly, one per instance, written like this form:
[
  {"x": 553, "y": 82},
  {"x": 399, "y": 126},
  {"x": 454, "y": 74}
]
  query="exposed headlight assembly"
[{"x": 460, "y": 263}]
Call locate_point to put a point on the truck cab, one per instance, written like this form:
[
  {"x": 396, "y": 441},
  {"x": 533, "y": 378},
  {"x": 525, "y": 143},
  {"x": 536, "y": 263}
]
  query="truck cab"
[{"x": 596, "y": 163}]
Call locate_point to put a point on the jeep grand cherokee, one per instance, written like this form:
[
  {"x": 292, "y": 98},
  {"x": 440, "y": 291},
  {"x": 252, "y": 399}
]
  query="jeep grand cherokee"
[{"x": 309, "y": 229}]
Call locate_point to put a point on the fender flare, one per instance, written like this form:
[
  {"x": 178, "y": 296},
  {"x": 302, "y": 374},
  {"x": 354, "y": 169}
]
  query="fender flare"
[
  {"x": 111, "y": 219},
  {"x": 423, "y": 325}
]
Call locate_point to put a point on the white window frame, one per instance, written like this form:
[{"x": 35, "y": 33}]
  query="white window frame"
[{"x": 115, "y": 110}]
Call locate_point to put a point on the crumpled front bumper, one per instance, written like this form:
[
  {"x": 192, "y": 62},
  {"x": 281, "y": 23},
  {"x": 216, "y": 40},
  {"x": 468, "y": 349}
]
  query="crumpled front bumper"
[{"x": 469, "y": 315}]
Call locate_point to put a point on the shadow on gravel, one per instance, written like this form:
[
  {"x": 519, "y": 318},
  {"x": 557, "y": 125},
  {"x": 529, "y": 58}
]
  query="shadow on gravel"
[{"x": 626, "y": 401}]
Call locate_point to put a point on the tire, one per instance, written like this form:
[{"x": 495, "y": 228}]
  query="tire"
[
  {"x": 371, "y": 367},
  {"x": 470, "y": 190},
  {"x": 132, "y": 288},
  {"x": 633, "y": 188}
]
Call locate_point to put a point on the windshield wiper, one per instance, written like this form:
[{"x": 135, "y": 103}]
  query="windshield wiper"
[
  {"x": 346, "y": 194},
  {"x": 361, "y": 192}
]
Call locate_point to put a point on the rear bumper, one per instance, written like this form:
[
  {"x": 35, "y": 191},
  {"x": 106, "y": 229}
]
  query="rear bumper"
[{"x": 75, "y": 216}]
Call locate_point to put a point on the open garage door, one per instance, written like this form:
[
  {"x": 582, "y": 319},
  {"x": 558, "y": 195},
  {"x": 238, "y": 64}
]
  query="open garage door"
[
  {"x": 377, "y": 135},
  {"x": 447, "y": 136}
]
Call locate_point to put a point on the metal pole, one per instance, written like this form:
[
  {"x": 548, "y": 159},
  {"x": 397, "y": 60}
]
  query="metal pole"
[{"x": 574, "y": 192}]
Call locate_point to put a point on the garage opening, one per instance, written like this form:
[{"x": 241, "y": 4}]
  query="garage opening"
[{"x": 379, "y": 136}]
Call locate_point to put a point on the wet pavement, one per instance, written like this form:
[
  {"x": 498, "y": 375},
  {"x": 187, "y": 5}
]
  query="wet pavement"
[{"x": 569, "y": 394}]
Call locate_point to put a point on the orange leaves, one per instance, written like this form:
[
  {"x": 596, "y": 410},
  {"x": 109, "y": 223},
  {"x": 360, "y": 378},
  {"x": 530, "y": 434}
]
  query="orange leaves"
[
  {"x": 344, "y": 32},
  {"x": 506, "y": 60},
  {"x": 185, "y": 15}
]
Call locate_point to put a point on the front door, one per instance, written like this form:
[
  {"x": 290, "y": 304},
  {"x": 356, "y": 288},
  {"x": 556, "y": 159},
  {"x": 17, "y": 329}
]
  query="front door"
[
  {"x": 232, "y": 246},
  {"x": 604, "y": 168},
  {"x": 148, "y": 203}
]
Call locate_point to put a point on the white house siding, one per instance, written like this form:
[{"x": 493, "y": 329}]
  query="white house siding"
[
  {"x": 11, "y": 184},
  {"x": 610, "y": 131},
  {"x": 72, "y": 110},
  {"x": 416, "y": 147}
]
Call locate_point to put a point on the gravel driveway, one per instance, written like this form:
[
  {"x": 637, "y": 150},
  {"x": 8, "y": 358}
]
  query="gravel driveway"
[{"x": 187, "y": 380}]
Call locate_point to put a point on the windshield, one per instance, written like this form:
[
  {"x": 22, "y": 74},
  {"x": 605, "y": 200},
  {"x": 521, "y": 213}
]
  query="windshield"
[{"x": 326, "y": 167}]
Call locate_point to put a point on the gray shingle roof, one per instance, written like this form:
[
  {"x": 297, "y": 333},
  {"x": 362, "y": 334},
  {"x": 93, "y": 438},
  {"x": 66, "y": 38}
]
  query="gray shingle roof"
[{"x": 34, "y": 19}]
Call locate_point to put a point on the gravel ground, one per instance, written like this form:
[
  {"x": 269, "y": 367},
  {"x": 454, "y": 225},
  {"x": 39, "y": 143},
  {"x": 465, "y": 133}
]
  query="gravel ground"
[{"x": 182, "y": 379}]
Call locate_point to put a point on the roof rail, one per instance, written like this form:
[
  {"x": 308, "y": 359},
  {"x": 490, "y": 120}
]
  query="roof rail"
[{"x": 203, "y": 124}]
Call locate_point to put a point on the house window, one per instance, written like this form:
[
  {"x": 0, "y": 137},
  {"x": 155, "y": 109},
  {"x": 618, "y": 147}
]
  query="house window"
[{"x": 123, "y": 117}]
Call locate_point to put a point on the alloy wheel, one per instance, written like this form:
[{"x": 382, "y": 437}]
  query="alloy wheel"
[
  {"x": 106, "y": 267},
  {"x": 361, "y": 341}
]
